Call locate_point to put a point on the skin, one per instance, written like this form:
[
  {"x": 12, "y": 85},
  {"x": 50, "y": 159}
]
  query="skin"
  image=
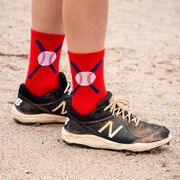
[
  {"x": 85, "y": 24},
  {"x": 47, "y": 16}
]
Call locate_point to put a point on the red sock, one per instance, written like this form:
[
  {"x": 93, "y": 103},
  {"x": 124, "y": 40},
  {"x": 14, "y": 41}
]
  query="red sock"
[
  {"x": 43, "y": 69},
  {"x": 88, "y": 80}
]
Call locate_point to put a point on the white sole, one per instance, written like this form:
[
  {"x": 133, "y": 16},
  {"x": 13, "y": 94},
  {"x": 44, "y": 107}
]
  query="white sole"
[
  {"x": 101, "y": 143},
  {"x": 36, "y": 119}
]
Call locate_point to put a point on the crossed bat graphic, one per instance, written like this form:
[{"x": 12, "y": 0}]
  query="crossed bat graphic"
[
  {"x": 42, "y": 50},
  {"x": 92, "y": 70}
]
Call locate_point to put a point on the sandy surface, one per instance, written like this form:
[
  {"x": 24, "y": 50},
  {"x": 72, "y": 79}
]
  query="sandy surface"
[{"x": 142, "y": 64}]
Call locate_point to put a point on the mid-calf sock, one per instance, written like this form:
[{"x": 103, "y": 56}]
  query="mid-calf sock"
[
  {"x": 87, "y": 72},
  {"x": 43, "y": 72}
]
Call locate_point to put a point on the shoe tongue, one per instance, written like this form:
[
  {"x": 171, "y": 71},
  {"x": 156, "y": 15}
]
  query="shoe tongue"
[
  {"x": 105, "y": 101},
  {"x": 63, "y": 80}
]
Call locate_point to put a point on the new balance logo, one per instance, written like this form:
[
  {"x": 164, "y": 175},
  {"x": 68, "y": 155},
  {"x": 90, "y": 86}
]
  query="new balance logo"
[
  {"x": 67, "y": 120},
  {"x": 61, "y": 105},
  {"x": 18, "y": 102},
  {"x": 110, "y": 125}
]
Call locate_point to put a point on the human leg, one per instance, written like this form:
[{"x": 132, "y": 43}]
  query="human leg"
[
  {"x": 47, "y": 36},
  {"x": 85, "y": 26},
  {"x": 42, "y": 98},
  {"x": 95, "y": 118}
]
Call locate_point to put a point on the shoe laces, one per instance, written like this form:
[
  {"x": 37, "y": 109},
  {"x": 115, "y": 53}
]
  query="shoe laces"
[{"x": 120, "y": 106}]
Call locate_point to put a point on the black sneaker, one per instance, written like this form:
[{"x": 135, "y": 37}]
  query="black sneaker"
[
  {"x": 106, "y": 129},
  {"x": 146, "y": 132},
  {"x": 49, "y": 108}
]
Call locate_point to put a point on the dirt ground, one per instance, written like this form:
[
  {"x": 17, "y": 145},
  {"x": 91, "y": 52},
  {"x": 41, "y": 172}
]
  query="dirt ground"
[{"x": 142, "y": 64}]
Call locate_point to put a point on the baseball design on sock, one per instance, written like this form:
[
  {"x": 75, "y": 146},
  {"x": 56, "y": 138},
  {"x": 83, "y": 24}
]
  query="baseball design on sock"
[
  {"x": 88, "y": 80},
  {"x": 45, "y": 58},
  {"x": 85, "y": 78},
  {"x": 43, "y": 72}
]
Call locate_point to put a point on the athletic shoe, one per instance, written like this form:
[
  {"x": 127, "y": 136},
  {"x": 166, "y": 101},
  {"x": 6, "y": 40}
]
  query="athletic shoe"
[
  {"x": 146, "y": 132},
  {"x": 106, "y": 128},
  {"x": 49, "y": 108}
]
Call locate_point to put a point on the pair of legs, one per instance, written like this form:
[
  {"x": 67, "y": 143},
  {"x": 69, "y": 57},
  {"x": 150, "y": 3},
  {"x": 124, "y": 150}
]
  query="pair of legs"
[
  {"x": 95, "y": 117},
  {"x": 83, "y": 22},
  {"x": 84, "y": 25}
]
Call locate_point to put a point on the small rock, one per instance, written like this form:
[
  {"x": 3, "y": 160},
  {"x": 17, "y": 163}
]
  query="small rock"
[{"x": 27, "y": 172}]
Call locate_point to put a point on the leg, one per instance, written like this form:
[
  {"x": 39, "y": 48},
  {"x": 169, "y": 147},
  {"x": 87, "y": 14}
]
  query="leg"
[
  {"x": 46, "y": 41},
  {"x": 96, "y": 118},
  {"x": 47, "y": 16},
  {"x": 85, "y": 26},
  {"x": 42, "y": 98}
]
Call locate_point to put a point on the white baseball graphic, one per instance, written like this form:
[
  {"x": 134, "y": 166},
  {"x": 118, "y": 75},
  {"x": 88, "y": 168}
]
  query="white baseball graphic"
[
  {"x": 85, "y": 78},
  {"x": 46, "y": 58}
]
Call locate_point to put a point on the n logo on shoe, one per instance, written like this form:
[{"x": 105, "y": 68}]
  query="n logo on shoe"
[
  {"x": 61, "y": 105},
  {"x": 110, "y": 125}
]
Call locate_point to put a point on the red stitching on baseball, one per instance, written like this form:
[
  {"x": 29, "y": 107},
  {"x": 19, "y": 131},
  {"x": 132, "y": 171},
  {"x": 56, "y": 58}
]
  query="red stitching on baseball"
[
  {"x": 50, "y": 58},
  {"x": 43, "y": 58},
  {"x": 89, "y": 78},
  {"x": 80, "y": 78}
]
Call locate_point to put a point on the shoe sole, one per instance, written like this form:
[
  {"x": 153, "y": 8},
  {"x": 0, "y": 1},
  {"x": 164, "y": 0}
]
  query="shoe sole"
[
  {"x": 35, "y": 118},
  {"x": 101, "y": 143}
]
